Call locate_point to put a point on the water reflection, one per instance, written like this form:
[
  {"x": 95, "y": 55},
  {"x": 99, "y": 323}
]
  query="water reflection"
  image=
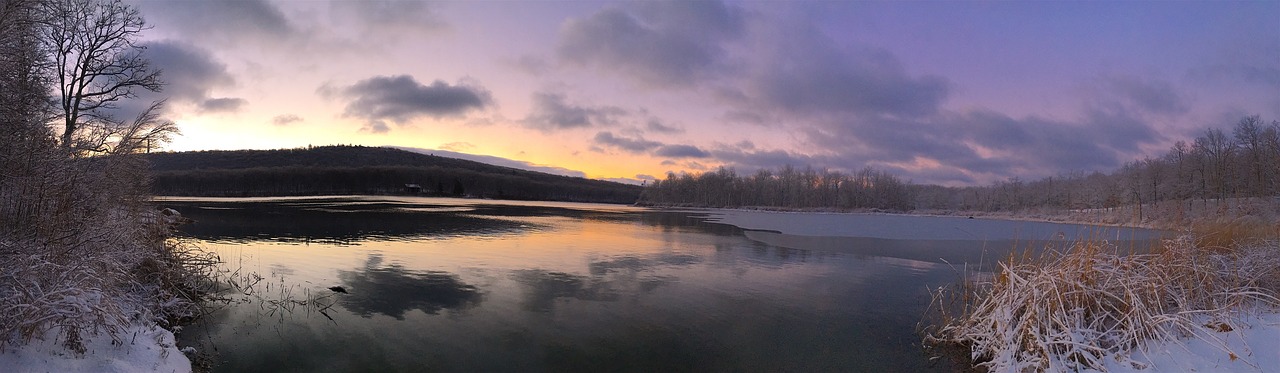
[
  {"x": 634, "y": 263},
  {"x": 392, "y": 290},
  {"x": 564, "y": 287},
  {"x": 546, "y": 287},
  {"x": 334, "y": 222},
  {"x": 971, "y": 254}
]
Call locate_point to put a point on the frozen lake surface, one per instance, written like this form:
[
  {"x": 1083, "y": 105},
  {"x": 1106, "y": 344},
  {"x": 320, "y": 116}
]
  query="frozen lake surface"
[{"x": 472, "y": 285}]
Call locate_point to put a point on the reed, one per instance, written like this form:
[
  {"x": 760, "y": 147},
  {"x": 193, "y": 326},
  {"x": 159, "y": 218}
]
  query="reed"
[{"x": 1071, "y": 309}]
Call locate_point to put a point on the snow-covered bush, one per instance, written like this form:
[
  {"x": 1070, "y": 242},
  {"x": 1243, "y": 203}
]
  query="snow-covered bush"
[
  {"x": 1071, "y": 310},
  {"x": 82, "y": 251}
]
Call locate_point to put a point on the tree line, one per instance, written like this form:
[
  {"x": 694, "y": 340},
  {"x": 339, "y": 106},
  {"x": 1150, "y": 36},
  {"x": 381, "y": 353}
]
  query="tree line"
[
  {"x": 1216, "y": 166},
  {"x": 337, "y": 170},
  {"x": 787, "y": 187}
]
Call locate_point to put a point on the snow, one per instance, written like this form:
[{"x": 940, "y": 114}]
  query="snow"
[
  {"x": 144, "y": 349},
  {"x": 1254, "y": 340},
  {"x": 1255, "y": 344}
]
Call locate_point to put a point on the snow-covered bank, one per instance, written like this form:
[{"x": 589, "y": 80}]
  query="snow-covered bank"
[
  {"x": 140, "y": 349},
  {"x": 1255, "y": 343}
]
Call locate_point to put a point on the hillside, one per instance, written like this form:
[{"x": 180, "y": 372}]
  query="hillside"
[{"x": 330, "y": 170}]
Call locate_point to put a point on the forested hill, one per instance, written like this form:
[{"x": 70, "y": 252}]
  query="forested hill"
[{"x": 330, "y": 170}]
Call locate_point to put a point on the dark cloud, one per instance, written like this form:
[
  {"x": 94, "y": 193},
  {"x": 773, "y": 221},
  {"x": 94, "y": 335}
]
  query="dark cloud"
[
  {"x": 681, "y": 151},
  {"x": 662, "y": 43},
  {"x": 190, "y": 74},
  {"x": 389, "y": 13},
  {"x": 400, "y": 99},
  {"x": 807, "y": 73},
  {"x": 552, "y": 111},
  {"x": 223, "y": 21},
  {"x": 1252, "y": 59},
  {"x": 963, "y": 147},
  {"x": 285, "y": 119},
  {"x": 656, "y": 125},
  {"x": 1150, "y": 95},
  {"x": 757, "y": 159},
  {"x": 636, "y": 145},
  {"x": 222, "y": 105},
  {"x": 376, "y": 126}
]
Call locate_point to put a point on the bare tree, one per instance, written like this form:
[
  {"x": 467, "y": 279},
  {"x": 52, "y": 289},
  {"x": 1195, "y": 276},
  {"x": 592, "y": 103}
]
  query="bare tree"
[
  {"x": 96, "y": 61},
  {"x": 1249, "y": 137}
]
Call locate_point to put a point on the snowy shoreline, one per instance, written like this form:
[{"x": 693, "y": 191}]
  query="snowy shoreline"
[{"x": 141, "y": 349}]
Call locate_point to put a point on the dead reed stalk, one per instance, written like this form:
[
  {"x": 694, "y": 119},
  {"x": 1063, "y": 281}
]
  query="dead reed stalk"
[{"x": 1072, "y": 309}]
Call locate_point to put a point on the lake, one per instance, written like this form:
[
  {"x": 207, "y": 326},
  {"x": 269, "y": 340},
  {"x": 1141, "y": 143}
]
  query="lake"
[{"x": 436, "y": 284}]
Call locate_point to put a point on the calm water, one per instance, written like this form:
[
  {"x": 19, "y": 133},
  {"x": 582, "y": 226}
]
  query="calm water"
[{"x": 467, "y": 285}]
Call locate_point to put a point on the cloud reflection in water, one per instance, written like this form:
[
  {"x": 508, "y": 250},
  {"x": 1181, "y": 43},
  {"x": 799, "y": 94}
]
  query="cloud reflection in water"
[{"x": 393, "y": 290}]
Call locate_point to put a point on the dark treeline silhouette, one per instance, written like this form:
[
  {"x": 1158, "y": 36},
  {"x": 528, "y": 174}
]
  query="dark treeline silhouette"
[
  {"x": 786, "y": 187},
  {"x": 331, "y": 170},
  {"x": 1213, "y": 167},
  {"x": 1216, "y": 166}
]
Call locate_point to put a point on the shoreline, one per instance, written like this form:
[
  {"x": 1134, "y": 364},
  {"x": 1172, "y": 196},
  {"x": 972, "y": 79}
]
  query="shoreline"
[{"x": 1243, "y": 338}]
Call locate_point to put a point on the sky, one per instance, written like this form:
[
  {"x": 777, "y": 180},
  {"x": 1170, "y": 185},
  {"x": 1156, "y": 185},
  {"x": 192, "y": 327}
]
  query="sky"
[{"x": 952, "y": 93}]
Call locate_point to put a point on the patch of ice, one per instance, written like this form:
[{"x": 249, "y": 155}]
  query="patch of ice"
[{"x": 899, "y": 227}]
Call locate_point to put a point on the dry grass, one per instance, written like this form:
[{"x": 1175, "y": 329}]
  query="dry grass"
[
  {"x": 101, "y": 279},
  {"x": 1072, "y": 309}
]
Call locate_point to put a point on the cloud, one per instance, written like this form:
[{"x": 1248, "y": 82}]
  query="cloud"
[
  {"x": 189, "y": 72},
  {"x": 458, "y": 146},
  {"x": 376, "y": 126},
  {"x": 760, "y": 159},
  {"x": 1149, "y": 95},
  {"x": 389, "y": 13},
  {"x": 805, "y": 72},
  {"x": 656, "y": 125},
  {"x": 285, "y": 119},
  {"x": 681, "y": 151},
  {"x": 222, "y": 21},
  {"x": 667, "y": 43},
  {"x": 190, "y": 75},
  {"x": 401, "y": 99},
  {"x": 531, "y": 65},
  {"x": 552, "y": 111},
  {"x": 222, "y": 105},
  {"x": 985, "y": 145},
  {"x": 636, "y": 145}
]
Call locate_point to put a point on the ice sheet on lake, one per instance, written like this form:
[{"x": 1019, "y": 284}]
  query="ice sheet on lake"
[{"x": 910, "y": 227}]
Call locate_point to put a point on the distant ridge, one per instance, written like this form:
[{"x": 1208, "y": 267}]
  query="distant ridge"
[{"x": 331, "y": 170}]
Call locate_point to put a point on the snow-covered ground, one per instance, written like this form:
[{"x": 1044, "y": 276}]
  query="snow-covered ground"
[
  {"x": 144, "y": 349},
  {"x": 1253, "y": 345}
]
